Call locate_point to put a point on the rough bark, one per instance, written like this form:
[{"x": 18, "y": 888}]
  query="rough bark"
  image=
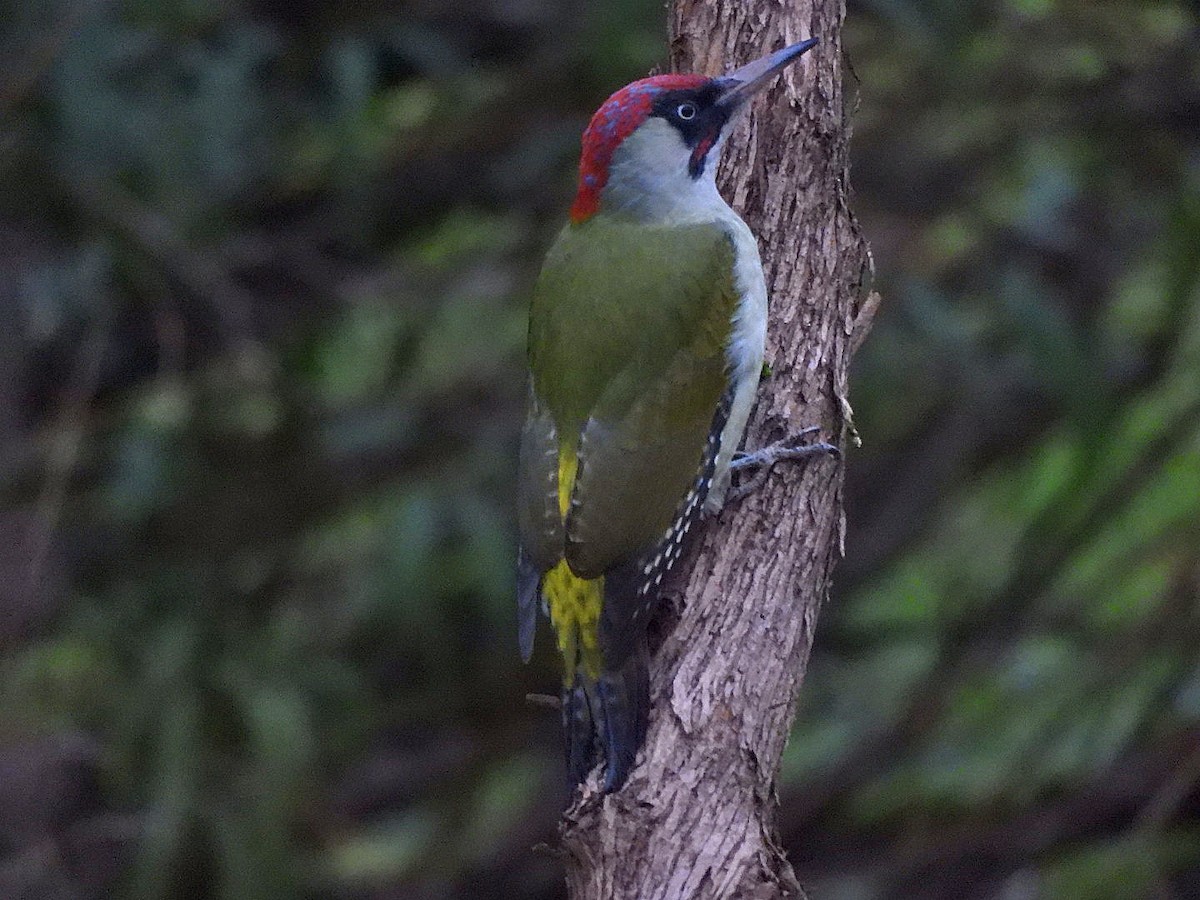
[{"x": 697, "y": 817}]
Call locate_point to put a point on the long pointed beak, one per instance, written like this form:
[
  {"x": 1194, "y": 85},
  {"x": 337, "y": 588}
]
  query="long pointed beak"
[{"x": 745, "y": 82}]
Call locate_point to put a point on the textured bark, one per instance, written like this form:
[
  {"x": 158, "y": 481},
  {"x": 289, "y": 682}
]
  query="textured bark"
[{"x": 697, "y": 817}]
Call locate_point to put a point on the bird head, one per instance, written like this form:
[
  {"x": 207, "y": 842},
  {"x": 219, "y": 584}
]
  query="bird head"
[{"x": 652, "y": 148}]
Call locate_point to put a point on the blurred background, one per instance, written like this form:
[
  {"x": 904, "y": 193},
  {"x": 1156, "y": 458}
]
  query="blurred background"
[{"x": 264, "y": 274}]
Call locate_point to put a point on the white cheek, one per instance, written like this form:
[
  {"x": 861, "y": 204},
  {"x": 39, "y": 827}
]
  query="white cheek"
[
  {"x": 654, "y": 154},
  {"x": 649, "y": 179}
]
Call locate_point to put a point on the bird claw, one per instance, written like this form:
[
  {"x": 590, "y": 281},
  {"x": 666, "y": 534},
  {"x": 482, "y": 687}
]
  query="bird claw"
[{"x": 763, "y": 460}]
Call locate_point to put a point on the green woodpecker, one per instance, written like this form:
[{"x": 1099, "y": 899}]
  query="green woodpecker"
[{"x": 646, "y": 341}]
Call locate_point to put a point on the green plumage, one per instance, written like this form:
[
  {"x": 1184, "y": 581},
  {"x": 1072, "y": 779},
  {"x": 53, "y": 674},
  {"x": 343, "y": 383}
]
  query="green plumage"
[
  {"x": 627, "y": 337},
  {"x": 627, "y": 351}
]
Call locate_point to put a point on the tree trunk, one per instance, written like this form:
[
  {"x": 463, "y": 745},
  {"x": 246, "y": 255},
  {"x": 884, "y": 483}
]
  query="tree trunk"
[{"x": 697, "y": 816}]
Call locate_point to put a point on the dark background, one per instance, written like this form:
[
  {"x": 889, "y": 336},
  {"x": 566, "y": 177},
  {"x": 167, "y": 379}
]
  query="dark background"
[{"x": 265, "y": 268}]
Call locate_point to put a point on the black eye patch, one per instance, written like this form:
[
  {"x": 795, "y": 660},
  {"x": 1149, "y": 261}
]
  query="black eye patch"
[{"x": 695, "y": 114}]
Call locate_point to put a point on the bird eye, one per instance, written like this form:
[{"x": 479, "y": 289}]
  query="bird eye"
[{"x": 686, "y": 111}]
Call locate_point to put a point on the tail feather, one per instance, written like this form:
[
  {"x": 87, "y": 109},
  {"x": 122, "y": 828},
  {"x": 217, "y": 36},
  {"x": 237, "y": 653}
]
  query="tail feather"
[
  {"x": 528, "y": 581},
  {"x": 579, "y": 730},
  {"x": 624, "y": 696},
  {"x": 609, "y": 714},
  {"x": 601, "y": 629}
]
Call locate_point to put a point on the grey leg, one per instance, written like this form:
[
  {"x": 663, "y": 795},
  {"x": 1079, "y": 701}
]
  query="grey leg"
[{"x": 762, "y": 460}]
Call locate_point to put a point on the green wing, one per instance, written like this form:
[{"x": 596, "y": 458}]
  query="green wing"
[
  {"x": 538, "y": 517},
  {"x": 628, "y": 330}
]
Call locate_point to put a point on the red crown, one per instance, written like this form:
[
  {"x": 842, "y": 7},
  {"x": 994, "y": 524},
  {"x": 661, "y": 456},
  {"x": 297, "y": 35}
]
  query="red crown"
[{"x": 621, "y": 113}]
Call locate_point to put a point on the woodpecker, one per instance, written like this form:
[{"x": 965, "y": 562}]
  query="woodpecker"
[{"x": 646, "y": 338}]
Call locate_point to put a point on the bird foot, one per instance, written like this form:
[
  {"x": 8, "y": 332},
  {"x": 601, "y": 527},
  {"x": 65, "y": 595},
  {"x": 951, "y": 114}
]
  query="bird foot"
[{"x": 763, "y": 460}]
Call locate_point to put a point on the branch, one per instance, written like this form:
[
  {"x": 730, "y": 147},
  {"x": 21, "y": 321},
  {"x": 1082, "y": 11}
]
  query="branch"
[{"x": 697, "y": 817}]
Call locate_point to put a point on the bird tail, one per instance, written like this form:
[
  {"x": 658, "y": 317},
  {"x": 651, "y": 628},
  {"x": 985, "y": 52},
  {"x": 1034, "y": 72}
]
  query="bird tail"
[
  {"x": 579, "y": 729},
  {"x": 607, "y": 713},
  {"x": 606, "y": 685},
  {"x": 624, "y": 695}
]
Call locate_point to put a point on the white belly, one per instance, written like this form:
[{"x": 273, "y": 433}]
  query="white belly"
[{"x": 745, "y": 351}]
